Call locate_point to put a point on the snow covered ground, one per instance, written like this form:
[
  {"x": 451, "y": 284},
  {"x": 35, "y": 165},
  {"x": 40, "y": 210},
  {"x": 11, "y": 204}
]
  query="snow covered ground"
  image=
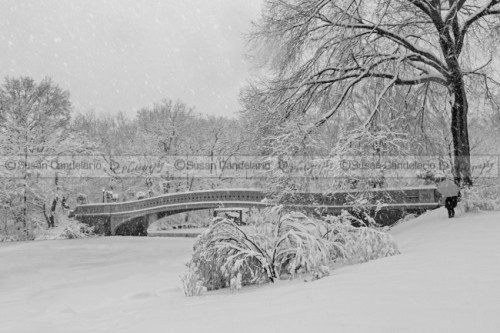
[{"x": 446, "y": 280}]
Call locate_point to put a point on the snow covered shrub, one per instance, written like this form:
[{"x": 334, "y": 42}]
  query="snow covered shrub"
[
  {"x": 191, "y": 283},
  {"x": 205, "y": 264},
  {"x": 320, "y": 272},
  {"x": 366, "y": 244},
  {"x": 351, "y": 244},
  {"x": 279, "y": 245},
  {"x": 294, "y": 239},
  {"x": 12, "y": 226},
  {"x": 276, "y": 245},
  {"x": 481, "y": 198},
  {"x": 68, "y": 229},
  {"x": 236, "y": 282},
  {"x": 20, "y": 236},
  {"x": 76, "y": 230}
]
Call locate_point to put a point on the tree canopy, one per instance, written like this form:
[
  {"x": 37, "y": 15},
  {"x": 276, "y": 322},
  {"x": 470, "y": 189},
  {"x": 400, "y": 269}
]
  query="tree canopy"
[{"x": 320, "y": 53}]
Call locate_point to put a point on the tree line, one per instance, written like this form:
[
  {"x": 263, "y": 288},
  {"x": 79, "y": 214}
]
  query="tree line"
[{"x": 38, "y": 125}]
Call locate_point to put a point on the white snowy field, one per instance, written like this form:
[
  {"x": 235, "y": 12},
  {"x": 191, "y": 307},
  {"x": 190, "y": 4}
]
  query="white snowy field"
[{"x": 446, "y": 280}]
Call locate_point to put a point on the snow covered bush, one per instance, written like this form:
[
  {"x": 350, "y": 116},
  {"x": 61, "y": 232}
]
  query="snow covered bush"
[
  {"x": 357, "y": 244},
  {"x": 68, "y": 229},
  {"x": 13, "y": 231},
  {"x": 192, "y": 283},
  {"x": 366, "y": 244},
  {"x": 276, "y": 245},
  {"x": 361, "y": 203},
  {"x": 76, "y": 230},
  {"x": 481, "y": 198},
  {"x": 279, "y": 245},
  {"x": 18, "y": 237}
]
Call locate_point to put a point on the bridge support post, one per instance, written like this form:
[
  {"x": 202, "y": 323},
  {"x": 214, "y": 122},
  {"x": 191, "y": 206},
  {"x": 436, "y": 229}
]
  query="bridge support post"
[{"x": 114, "y": 223}]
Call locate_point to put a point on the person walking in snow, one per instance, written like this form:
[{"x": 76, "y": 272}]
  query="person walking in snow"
[{"x": 450, "y": 192}]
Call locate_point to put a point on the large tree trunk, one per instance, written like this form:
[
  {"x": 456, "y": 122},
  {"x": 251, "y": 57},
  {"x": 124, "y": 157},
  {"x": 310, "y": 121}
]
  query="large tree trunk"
[{"x": 460, "y": 132}]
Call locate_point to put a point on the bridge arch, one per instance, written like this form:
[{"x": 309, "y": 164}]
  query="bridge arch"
[{"x": 137, "y": 224}]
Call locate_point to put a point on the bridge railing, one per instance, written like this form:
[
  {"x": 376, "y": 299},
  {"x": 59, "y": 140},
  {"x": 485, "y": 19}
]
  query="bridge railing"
[{"x": 171, "y": 199}]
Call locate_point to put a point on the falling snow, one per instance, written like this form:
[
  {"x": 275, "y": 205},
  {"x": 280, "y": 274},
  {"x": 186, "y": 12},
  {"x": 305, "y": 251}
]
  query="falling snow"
[{"x": 193, "y": 55}]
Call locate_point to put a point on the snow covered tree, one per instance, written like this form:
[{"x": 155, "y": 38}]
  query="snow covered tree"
[
  {"x": 174, "y": 129},
  {"x": 168, "y": 129},
  {"x": 158, "y": 134},
  {"x": 320, "y": 53},
  {"x": 34, "y": 119},
  {"x": 113, "y": 138}
]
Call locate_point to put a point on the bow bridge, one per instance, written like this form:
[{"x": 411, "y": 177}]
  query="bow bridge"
[{"x": 117, "y": 218}]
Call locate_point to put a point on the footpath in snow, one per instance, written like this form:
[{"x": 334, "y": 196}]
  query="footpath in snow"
[{"x": 446, "y": 280}]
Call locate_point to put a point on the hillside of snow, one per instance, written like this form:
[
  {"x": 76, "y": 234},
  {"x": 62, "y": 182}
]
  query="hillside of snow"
[{"x": 446, "y": 280}]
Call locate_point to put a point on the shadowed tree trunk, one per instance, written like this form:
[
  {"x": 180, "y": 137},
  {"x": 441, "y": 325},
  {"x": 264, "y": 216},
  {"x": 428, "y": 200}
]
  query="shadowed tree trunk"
[{"x": 460, "y": 134}]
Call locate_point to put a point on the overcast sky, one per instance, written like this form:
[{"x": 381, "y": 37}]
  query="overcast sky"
[{"x": 117, "y": 55}]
